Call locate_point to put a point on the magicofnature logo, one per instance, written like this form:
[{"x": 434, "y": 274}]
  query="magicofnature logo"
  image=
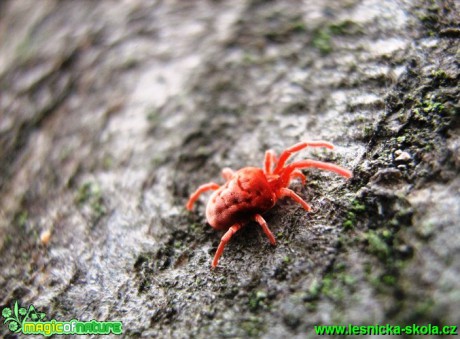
[
  {"x": 16, "y": 316},
  {"x": 31, "y": 321}
]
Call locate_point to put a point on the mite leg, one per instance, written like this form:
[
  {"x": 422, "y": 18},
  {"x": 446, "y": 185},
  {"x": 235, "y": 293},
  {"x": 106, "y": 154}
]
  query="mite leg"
[
  {"x": 316, "y": 164},
  {"x": 225, "y": 239},
  {"x": 296, "y": 148},
  {"x": 300, "y": 175},
  {"x": 264, "y": 226},
  {"x": 196, "y": 194},
  {"x": 227, "y": 173},
  {"x": 270, "y": 160},
  {"x": 286, "y": 192}
]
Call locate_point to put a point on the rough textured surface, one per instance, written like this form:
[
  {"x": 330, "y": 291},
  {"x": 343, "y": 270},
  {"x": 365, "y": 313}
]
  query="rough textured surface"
[{"x": 111, "y": 113}]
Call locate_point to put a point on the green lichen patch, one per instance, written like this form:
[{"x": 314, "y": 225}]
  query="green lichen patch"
[
  {"x": 322, "y": 41},
  {"x": 25, "y": 228},
  {"x": 21, "y": 219},
  {"x": 335, "y": 285},
  {"x": 346, "y": 27},
  {"x": 90, "y": 194},
  {"x": 357, "y": 210},
  {"x": 257, "y": 300},
  {"x": 322, "y": 37},
  {"x": 377, "y": 245},
  {"x": 439, "y": 74},
  {"x": 253, "y": 326},
  {"x": 285, "y": 28}
]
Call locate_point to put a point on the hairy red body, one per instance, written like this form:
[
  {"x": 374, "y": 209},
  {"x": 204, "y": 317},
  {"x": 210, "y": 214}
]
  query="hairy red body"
[
  {"x": 245, "y": 194},
  {"x": 251, "y": 191}
]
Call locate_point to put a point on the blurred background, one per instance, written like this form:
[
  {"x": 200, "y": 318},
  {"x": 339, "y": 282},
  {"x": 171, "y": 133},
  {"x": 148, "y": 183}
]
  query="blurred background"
[{"x": 113, "y": 112}]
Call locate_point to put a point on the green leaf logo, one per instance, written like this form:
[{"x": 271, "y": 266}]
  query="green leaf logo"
[{"x": 16, "y": 316}]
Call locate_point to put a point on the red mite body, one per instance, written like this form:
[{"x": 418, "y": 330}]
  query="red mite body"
[
  {"x": 251, "y": 191},
  {"x": 247, "y": 193}
]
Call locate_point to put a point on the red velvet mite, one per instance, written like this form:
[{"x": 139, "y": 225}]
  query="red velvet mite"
[{"x": 251, "y": 191}]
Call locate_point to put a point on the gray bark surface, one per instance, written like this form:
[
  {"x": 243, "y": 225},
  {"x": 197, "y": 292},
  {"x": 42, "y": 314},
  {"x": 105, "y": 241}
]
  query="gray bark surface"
[{"x": 112, "y": 113}]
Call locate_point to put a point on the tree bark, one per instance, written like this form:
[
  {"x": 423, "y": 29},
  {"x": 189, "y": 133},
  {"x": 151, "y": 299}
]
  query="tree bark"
[{"x": 112, "y": 113}]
